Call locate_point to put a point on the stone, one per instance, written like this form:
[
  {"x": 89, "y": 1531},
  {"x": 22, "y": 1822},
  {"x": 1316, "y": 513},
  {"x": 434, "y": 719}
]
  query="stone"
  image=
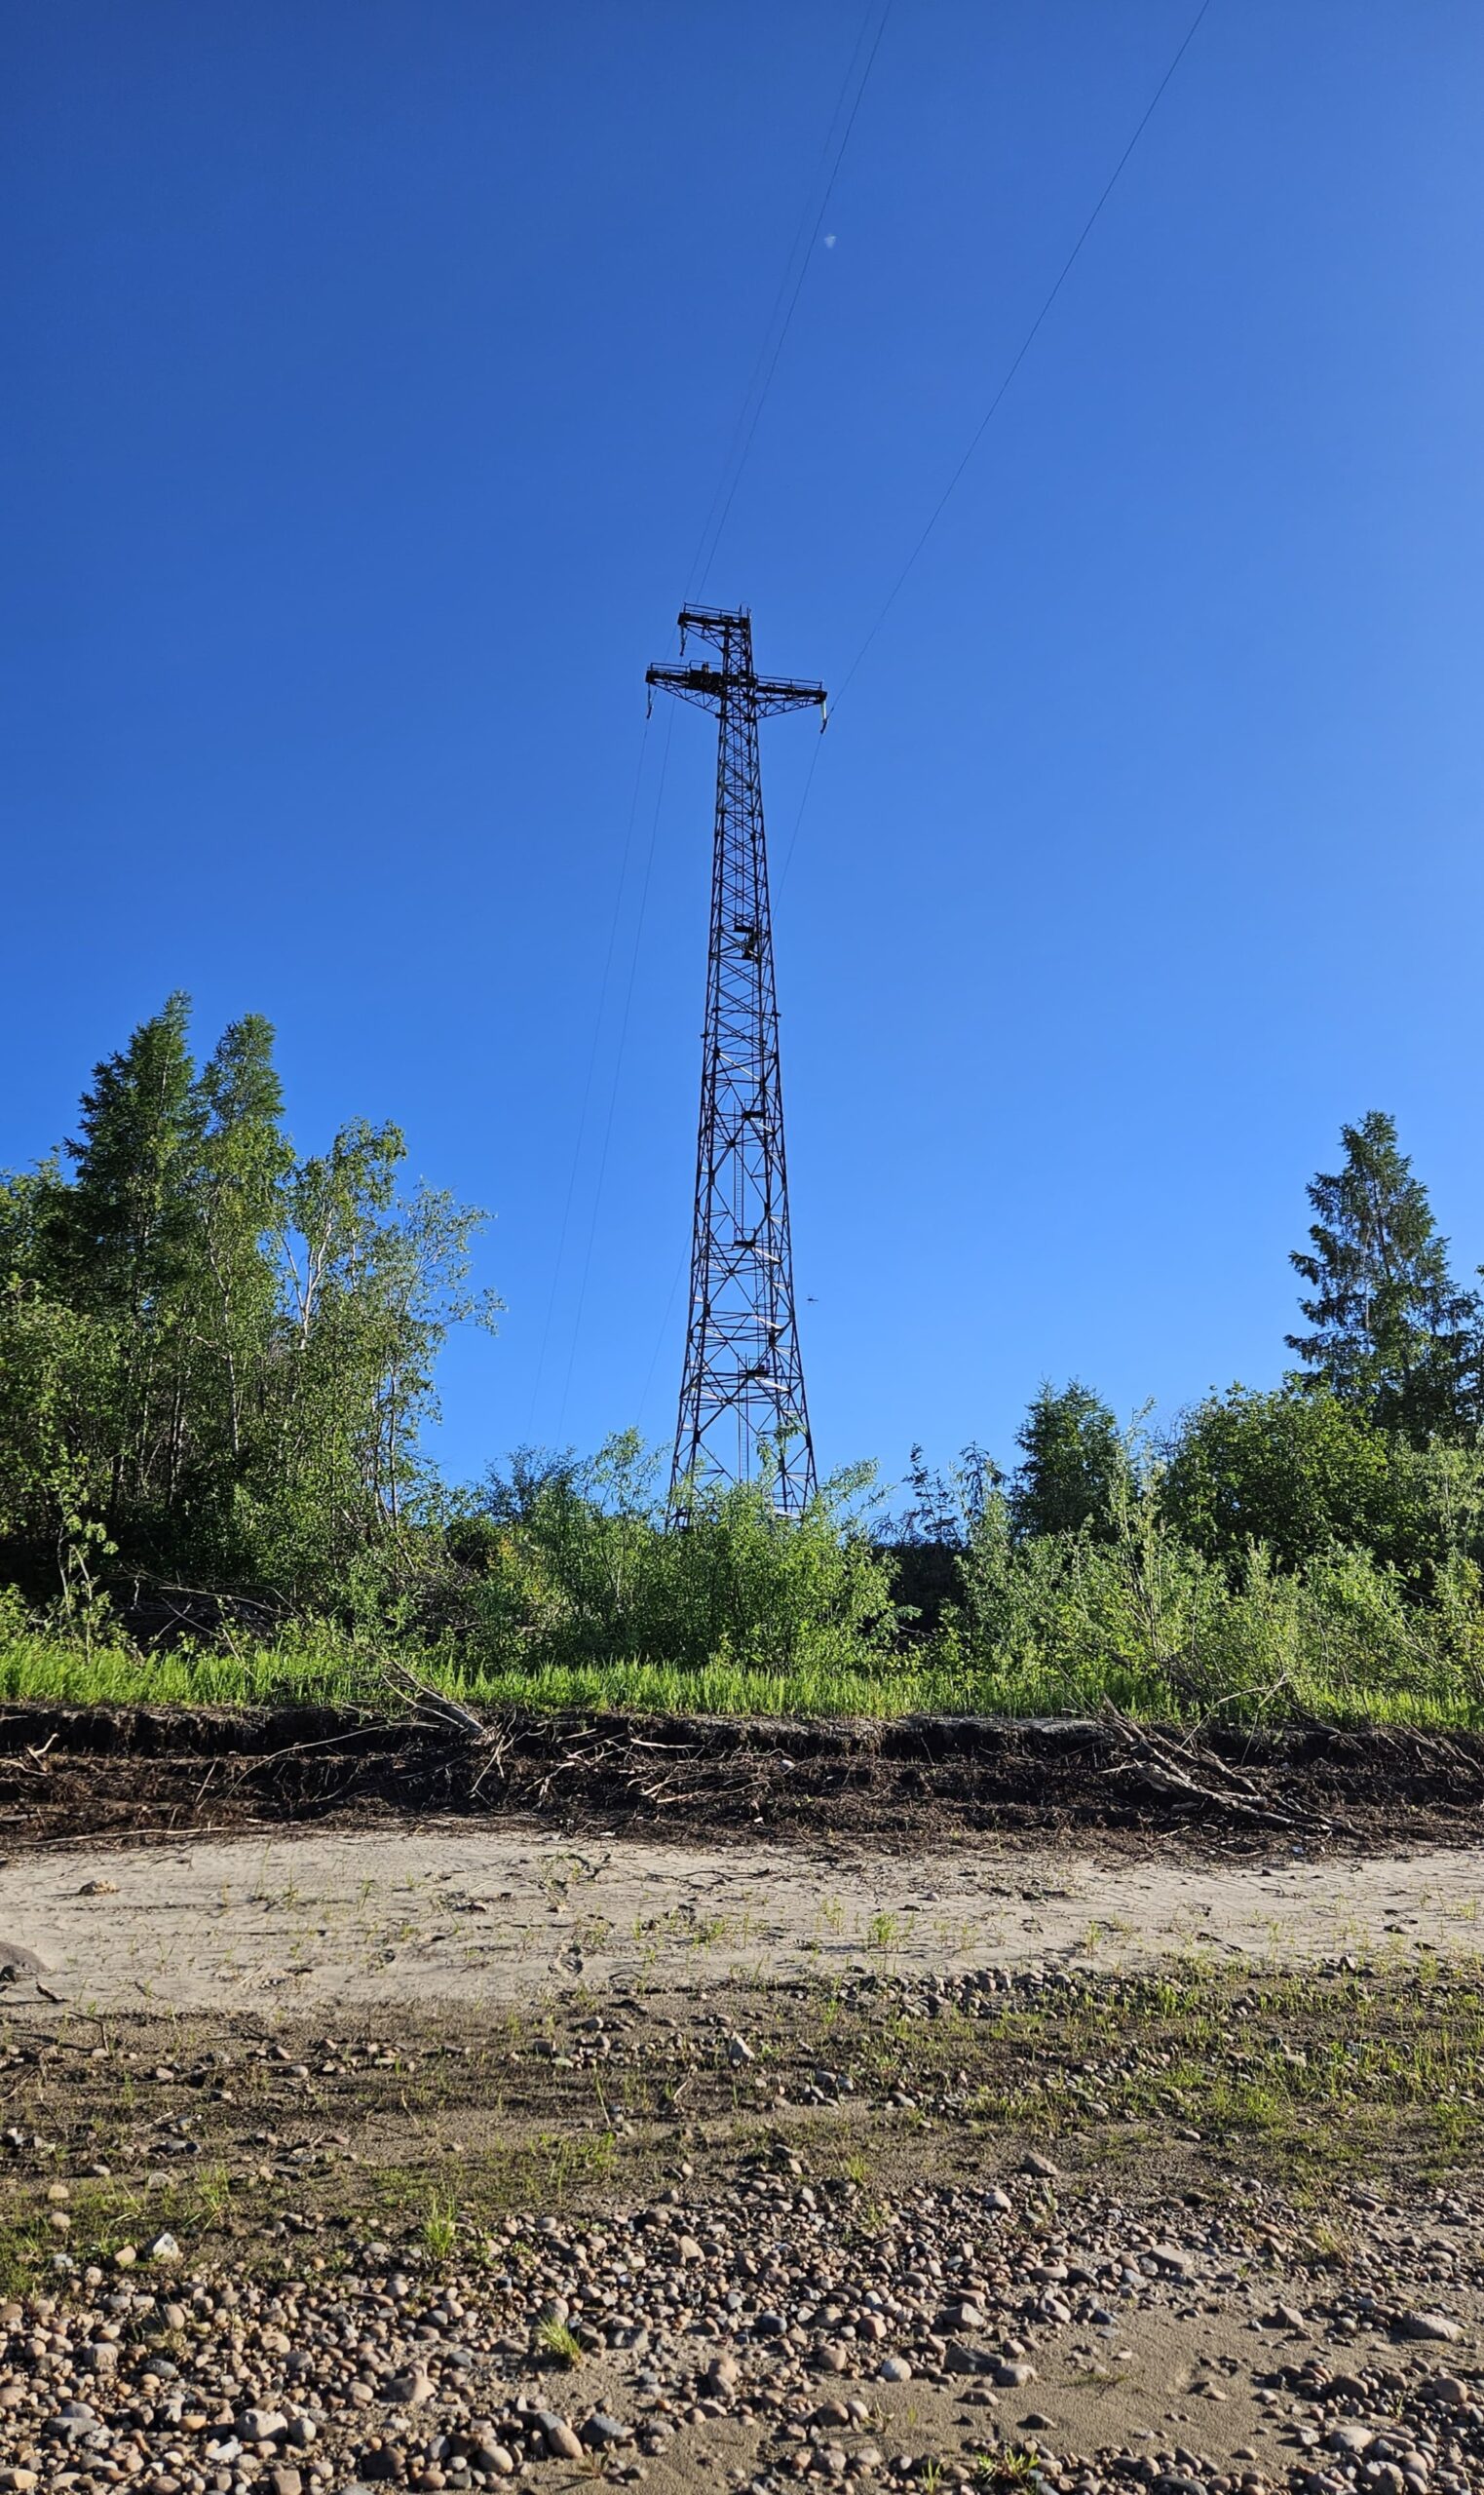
[
  {"x": 723, "y": 2374},
  {"x": 1173, "y": 2260},
  {"x": 284, "y": 2479},
  {"x": 261, "y": 2425},
  {"x": 893, "y": 2369},
  {"x": 600, "y": 2433},
  {"x": 1011, "y": 2373},
  {"x": 411, "y": 2389},
  {"x": 165, "y": 2248},
  {"x": 1035, "y": 2163},
  {"x": 1348, "y": 2438},
  {"x": 1428, "y": 2326},
  {"x": 560, "y": 2441}
]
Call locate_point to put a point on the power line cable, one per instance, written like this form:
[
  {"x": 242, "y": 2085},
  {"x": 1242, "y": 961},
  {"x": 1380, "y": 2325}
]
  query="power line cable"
[
  {"x": 1026, "y": 344},
  {"x": 809, "y": 782},
  {"x": 654, "y": 1357},
  {"x": 582, "y": 1121},
  {"x": 739, "y": 448},
  {"x": 618, "y": 1068},
  {"x": 991, "y": 410},
  {"x": 754, "y": 398}
]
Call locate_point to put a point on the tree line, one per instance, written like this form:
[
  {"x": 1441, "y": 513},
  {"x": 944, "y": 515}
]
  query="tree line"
[
  {"x": 1374, "y": 1439},
  {"x": 217, "y": 1362}
]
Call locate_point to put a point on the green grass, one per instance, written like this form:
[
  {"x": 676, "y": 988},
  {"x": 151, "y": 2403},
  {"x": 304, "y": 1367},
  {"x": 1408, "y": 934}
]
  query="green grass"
[{"x": 318, "y": 1667}]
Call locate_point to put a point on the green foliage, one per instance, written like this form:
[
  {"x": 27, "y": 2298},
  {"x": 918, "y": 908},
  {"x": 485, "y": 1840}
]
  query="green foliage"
[
  {"x": 1074, "y": 1465},
  {"x": 218, "y": 1360},
  {"x": 1294, "y": 1472},
  {"x": 1303, "y": 1474},
  {"x": 1142, "y": 1620},
  {"x": 577, "y": 1566},
  {"x": 1393, "y": 1337},
  {"x": 215, "y": 1359}
]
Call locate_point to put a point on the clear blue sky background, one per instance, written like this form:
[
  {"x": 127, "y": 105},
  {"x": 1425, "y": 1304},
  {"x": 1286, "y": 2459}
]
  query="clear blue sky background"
[{"x": 371, "y": 369}]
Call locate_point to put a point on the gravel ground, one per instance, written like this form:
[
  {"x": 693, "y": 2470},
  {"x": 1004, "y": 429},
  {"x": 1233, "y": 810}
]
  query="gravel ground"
[
  {"x": 948, "y": 2349},
  {"x": 1195, "y": 2231}
]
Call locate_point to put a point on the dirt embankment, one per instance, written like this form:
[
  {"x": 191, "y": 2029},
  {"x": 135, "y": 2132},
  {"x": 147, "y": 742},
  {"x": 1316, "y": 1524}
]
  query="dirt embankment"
[{"x": 71, "y": 1772}]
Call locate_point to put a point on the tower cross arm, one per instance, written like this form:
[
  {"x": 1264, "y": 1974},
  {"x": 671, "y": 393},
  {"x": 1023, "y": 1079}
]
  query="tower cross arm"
[{"x": 705, "y": 685}]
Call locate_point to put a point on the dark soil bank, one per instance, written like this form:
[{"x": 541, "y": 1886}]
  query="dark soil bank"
[{"x": 70, "y": 1772}]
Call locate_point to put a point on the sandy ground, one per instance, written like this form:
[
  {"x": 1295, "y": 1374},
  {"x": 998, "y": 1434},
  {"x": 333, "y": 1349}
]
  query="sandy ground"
[{"x": 465, "y": 1916}]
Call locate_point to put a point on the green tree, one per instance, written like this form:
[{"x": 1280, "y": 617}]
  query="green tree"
[
  {"x": 1298, "y": 1472},
  {"x": 122, "y": 1245},
  {"x": 369, "y": 1286},
  {"x": 244, "y": 1165},
  {"x": 33, "y": 1203},
  {"x": 1073, "y": 1464},
  {"x": 1392, "y": 1336},
  {"x": 215, "y": 1359},
  {"x": 121, "y": 1235}
]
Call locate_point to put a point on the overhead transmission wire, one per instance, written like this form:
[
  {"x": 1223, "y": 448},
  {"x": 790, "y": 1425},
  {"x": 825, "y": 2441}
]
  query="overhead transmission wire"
[
  {"x": 954, "y": 480},
  {"x": 766, "y": 362},
  {"x": 618, "y": 1067},
  {"x": 739, "y": 448},
  {"x": 582, "y": 1119},
  {"x": 995, "y": 404}
]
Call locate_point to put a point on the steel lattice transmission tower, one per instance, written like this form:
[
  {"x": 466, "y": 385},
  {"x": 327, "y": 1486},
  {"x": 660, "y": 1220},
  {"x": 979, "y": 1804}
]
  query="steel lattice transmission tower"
[{"x": 744, "y": 1378}]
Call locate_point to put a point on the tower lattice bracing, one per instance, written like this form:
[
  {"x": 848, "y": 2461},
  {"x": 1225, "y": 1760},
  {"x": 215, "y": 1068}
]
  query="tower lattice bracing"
[{"x": 743, "y": 1380}]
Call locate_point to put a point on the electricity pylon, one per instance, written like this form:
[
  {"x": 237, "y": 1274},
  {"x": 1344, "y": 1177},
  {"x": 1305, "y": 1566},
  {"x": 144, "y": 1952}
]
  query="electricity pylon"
[{"x": 743, "y": 1385}]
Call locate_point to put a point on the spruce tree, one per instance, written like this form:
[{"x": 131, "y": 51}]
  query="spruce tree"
[
  {"x": 1393, "y": 1337},
  {"x": 121, "y": 1231},
  {"x": 124, "y": 1248},
  {"x": 1073, "y": 1461}
]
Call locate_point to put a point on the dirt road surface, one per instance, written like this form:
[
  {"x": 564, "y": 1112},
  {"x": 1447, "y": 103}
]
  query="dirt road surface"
[{"x": 469, "y": 1915}]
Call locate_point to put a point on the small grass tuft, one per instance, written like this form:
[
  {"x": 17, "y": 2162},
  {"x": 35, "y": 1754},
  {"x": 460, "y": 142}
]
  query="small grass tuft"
[
  {"x": 441, "y": 2226},
  {"x": 559, "y": 2341}
]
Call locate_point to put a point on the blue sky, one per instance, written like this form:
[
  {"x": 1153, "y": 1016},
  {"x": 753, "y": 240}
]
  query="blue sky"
[{"x": 372, "y": 370}]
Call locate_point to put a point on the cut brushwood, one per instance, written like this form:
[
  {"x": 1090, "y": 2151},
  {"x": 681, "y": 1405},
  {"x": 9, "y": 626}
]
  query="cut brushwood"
[{"x": 1187, "y": 1777}]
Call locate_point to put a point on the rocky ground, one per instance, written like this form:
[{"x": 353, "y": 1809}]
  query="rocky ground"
[{"x": 990, "y": 2226}]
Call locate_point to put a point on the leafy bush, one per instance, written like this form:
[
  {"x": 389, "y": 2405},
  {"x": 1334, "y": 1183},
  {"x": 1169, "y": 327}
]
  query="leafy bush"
[
  {"x": 577, "y": 1566},
  {"x": 1302, "y": 1473}
]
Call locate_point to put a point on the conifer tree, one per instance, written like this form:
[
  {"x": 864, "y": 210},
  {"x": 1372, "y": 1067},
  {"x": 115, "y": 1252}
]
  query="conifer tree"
[
  {"x": 124, "y": 1247},
  {"x": 1393, "y": 1335},
  {"x": 1073, "y": 1461},
  {"x": 121, "y": 1236}
]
